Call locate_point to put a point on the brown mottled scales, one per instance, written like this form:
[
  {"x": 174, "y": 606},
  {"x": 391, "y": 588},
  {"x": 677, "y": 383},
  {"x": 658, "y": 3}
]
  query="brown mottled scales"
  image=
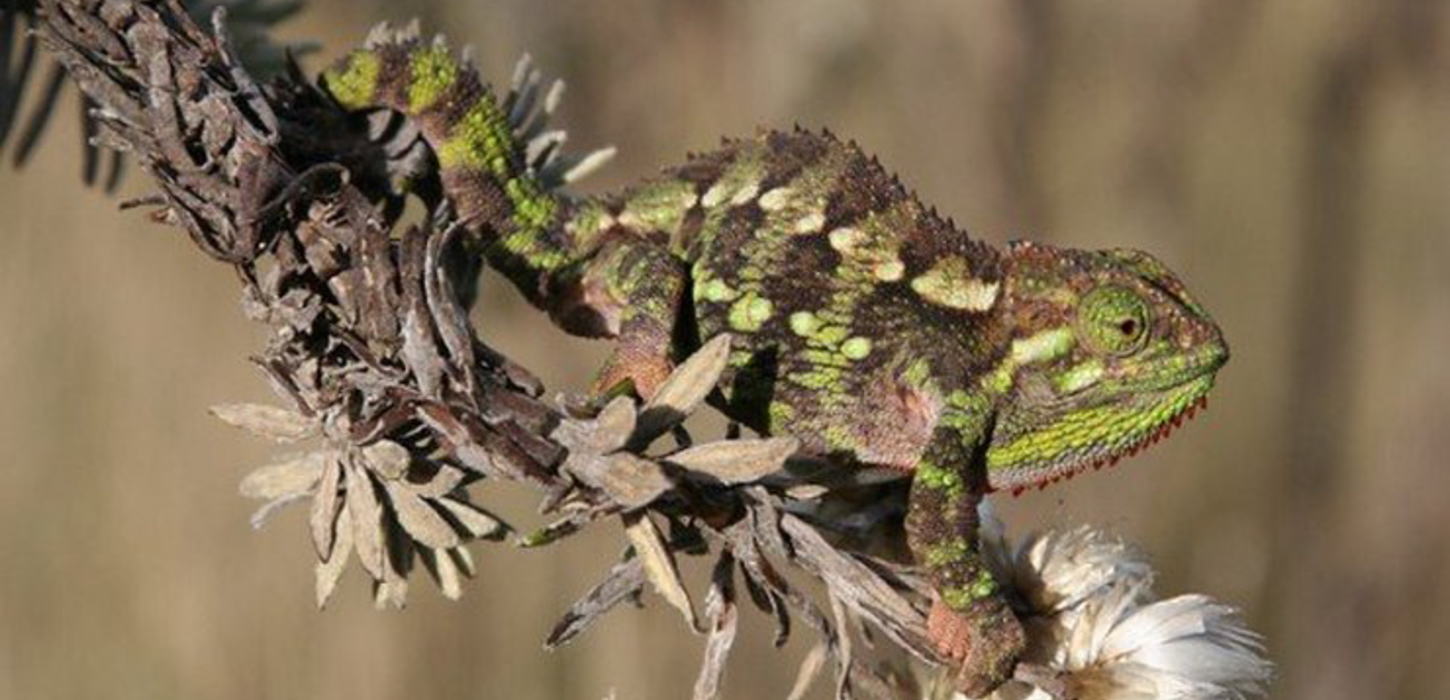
[{"x": 875, "y": 331}]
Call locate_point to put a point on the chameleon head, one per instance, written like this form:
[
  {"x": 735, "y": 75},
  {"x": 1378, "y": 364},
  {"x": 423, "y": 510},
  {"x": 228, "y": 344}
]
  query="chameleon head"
[{"x": 1108, "y": 354}]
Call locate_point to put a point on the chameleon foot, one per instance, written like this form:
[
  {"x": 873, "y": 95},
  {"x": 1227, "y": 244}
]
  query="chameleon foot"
[{"x": 983, "y": 642}]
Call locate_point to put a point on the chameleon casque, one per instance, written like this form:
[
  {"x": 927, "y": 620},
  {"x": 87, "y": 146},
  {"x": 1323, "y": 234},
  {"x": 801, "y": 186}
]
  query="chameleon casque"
[{"x": 874, "y": 331}]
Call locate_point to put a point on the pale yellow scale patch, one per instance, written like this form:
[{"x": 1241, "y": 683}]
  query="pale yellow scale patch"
[
  {"x": 776, "y": 199},
  {"x": 799, "y": 208},
  {"x": 879, "y": 257},
  {"x": 1080, "y": 376},
  {"x": 804, "y": 323},
  {"x": 797, "y": 212},
  {"x": 750, "y": 312},
  {"x": 716, "y": 290},
  {"x": 660, "y": 206},
  {"x": 889, "y": 271},
  {"x": 738, "y": 185},
  {"x": 745, "y": 194},
  {"x": 1042, "y": 347},
  {"x": 735, "y": 190},
  {"x": 845, "y": 239},
  {"x": 950, "y": 283},
  {"x": 856, "y": 348},
  {"x": 999, "y": 381},
  {"x": 810, "y": 223}
]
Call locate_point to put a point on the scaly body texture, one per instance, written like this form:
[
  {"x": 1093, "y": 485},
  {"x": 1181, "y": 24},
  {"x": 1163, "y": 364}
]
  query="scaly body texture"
[{"x": 878, "y": 333}]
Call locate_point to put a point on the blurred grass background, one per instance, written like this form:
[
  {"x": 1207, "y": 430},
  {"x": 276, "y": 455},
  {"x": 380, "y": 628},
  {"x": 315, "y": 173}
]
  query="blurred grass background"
[{"x": 1289, "y": 160}]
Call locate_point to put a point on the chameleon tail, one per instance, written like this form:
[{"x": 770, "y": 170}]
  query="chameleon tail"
[{"x": 499, "y": 163}]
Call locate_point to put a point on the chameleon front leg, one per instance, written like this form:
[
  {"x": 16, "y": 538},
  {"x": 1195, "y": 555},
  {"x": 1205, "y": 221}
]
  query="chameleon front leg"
[
  {"x": 970, "y": 621},
  {"x": 649, "y": 285}
]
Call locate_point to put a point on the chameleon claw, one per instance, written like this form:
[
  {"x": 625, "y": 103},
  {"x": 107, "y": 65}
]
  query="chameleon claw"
[{"x": 982, "y": 644}]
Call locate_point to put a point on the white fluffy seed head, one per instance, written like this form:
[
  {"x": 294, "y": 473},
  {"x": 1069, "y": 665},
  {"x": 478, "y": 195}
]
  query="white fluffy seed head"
[{"x": 1094, "y": 620}]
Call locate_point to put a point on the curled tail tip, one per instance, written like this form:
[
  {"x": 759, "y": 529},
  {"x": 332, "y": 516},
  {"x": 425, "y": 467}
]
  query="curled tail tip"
[{"x": 397, "y": 69}]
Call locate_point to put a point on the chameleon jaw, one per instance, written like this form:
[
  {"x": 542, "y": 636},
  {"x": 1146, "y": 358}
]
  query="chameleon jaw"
[{"x": 1070, "y": 466}]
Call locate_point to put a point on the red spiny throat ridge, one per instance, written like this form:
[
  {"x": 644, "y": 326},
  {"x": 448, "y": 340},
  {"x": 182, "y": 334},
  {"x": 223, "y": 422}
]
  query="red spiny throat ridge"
[{"x": 1139, "y": 445}]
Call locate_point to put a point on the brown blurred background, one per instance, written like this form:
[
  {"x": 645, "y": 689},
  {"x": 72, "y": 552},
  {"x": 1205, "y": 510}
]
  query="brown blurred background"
[{"x": 1290, "y": 160}]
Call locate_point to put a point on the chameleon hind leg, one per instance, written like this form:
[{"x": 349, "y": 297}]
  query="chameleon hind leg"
[
  {"x": 650, "y": 284},
  {"x": 970, "y": 622}
]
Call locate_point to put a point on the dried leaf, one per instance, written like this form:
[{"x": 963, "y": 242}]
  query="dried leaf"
[
  {"x": 324, "y": 508},
  {"x": 477, "y": 522},
  {"x": 330, "y": 569},
  {"x": 810, "y": 669},
  {"x": 398, "y": 551},
  {"x": 765, "y": 522},
  {"x": 464, "y": 559},
  {"x": 288, "y": 478},
  {"x": 269, "y": 422},
  {"x": 683, "y": 391},
  {"x": 419, "y": 519},
  {"x": 737, "y": 461},
  {"x": 392, "y": 593},
  {"x": 659, "y": 565},
  {"x": 367, "y": 521},
  {"x": 607, "y": 432},
  {"x": 445, "y": 571},
  {"x": 723, "y": 614},
  {"x": 387, "y": 459},
  {"x": 449, "y": 317},
  {"x": 418, "y": 349},
  {"x": 482, "y": 449},
  {"x": 859, "y": 587},
  {"x": 631, "y": 481},
  {"x": 769, "y": 602},
  {"x": 442, "y": 482},
  {"x": 614, "y": 425},
  {"x": 261, "y": 515},
  {"x": 844, "y": 653},
  {"x": 624, "y": 580},
  {"x": 741, "y": 537}
]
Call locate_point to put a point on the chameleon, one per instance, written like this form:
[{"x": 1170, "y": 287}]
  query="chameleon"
[{"x": 878, "y": 333}]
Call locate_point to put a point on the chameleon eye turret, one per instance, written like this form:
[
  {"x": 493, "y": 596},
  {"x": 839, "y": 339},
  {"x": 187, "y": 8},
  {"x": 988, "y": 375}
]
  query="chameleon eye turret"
[{"x": 1113, "y": 321}]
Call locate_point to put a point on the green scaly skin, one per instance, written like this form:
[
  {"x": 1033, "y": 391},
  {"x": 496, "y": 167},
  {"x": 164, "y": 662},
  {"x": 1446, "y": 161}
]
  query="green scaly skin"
[{"x": 873, "y": 330}]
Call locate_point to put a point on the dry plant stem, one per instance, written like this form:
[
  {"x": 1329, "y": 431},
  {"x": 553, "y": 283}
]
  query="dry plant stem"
[{"x": 373, "y": 349}]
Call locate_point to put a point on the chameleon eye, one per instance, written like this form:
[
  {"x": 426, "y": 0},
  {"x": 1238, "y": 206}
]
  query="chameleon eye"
[{"x": 1113, "y": 320}]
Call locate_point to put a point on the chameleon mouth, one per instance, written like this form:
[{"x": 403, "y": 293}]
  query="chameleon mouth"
[{"x": 1071, "y": 466}]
